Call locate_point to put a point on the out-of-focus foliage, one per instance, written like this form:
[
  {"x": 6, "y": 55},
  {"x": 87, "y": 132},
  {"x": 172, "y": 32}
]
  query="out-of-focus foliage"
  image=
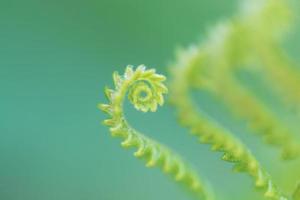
[{"x": 250, "y": 42}]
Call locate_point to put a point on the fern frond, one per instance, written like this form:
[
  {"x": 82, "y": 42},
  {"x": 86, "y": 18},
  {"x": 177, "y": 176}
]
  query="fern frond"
[
  {"x": 280, "y": 74},
  {"x": 267, "y": 18},
  {"x": 275, "y": 18},
  {"x": 260, "y": 119},
  {"x": 145, "y": 90},
  {"x": 212, "y": 66},
  {"x": 209, "y": 70},
  {"x": 209, "y": 132}
]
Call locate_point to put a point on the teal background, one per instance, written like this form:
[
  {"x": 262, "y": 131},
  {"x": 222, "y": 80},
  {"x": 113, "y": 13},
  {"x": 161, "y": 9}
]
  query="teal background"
[{"x": 55, "y": 59}]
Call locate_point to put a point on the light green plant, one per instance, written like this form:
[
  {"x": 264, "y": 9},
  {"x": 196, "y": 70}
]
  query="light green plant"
[
  {"x": 208, "y": 131},
  {"x": 145, "y": 91},
  {"x": 231, "y": 45},
  {"x": 249, "y": 41},
  {"x": 278, "y": 69},
  {"x": 282, "y": 75}
]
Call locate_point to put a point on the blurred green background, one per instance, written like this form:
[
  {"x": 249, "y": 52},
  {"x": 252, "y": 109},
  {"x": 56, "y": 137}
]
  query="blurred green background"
[{"x": 55, "y": 59}]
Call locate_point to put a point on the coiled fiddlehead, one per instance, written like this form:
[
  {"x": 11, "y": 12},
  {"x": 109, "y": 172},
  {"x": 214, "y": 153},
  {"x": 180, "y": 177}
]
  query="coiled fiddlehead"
[
  {"x": 208, "y": 131},
  {"x": 145, "y": 91}
]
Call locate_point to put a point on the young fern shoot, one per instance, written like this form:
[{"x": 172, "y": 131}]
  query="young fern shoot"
[
  {"x": 209, "y": 132},
  {"x": 249, "y": 38},
  {"x": 145, "y": 90},
  {"x": 244, "y": 105},
  {"x": 273, "y": 19},
  {"x": 281, "y": 75},
  {"x": 227, "y": 49}
]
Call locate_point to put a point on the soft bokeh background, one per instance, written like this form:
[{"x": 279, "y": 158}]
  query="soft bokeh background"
[{"x": 55, "y": 59}]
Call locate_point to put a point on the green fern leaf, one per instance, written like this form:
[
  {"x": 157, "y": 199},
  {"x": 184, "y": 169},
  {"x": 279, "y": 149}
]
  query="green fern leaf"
[
  {"x": 145, "y": 91},
  {"x": 209, "y": 132}
]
